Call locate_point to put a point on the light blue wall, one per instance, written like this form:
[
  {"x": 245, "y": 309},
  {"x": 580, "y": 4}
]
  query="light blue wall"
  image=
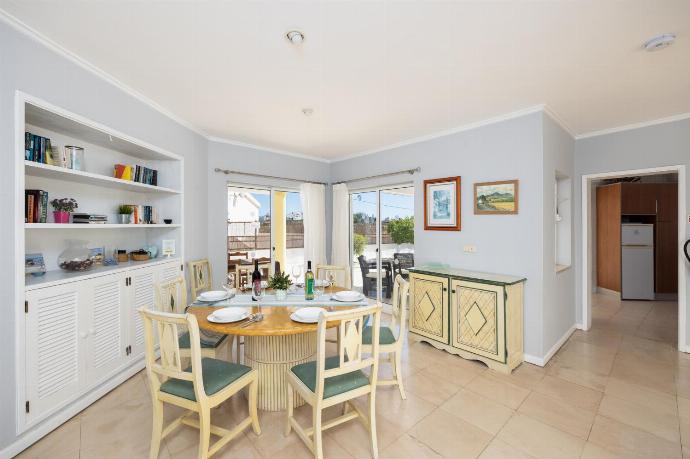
[
  {"x": 508, "y": 244},
  {"x": 558, "y": 298},
  {"x": 653, "y": 146}
]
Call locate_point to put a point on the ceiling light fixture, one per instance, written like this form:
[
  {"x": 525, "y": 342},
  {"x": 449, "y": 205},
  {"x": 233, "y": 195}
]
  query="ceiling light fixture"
[
  {"x": 659, "y": 42},
  {"x": 295, "y": 37},
  {"x": 308, "y": 111}
]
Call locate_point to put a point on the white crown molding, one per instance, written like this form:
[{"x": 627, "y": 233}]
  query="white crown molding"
[
  {"x": 559, "y": 120},
  {"x": 629, "y": 127},
  {"x": 455, "y": 130},
  {"x": 268, "y": 149}
]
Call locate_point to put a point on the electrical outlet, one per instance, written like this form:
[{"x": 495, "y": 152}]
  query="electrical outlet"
[{"x": 469, "y": 249}]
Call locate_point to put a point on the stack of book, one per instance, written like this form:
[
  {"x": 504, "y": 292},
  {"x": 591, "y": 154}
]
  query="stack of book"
[
  {"x": 144, "y": 215},
  {"x": 89, "y": 219},
  {"x": 36, "y": 206},
  {"x": 136, "y": 173},
  {"x": 37, "y": 148}
]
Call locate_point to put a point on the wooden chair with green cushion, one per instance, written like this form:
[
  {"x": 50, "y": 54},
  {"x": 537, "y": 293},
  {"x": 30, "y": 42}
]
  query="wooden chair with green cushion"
[
  {"x": 339, "y": 379},
  {"x": 388, "y": 341},
  {"x": 171, "y": 297},
  {"x": 202, "y": 386},
  {"x": 200, "y": 277}
]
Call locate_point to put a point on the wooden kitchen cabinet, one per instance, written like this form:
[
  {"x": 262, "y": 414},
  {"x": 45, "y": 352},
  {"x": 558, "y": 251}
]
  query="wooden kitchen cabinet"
[
  {"x": 639, "y": 198},
  {"x": 480, "y": 317},
  {"x": 666, "y": 257},
  {"x": 667, "y": 202}
]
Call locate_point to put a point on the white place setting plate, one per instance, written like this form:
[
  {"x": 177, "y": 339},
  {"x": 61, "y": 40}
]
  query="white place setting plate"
[
  {"x": 214, "y": 295},
  {"x": 348, "y": 296},
  {"x": 309, "y": 315},
  {"x": 228, "y": 315}
]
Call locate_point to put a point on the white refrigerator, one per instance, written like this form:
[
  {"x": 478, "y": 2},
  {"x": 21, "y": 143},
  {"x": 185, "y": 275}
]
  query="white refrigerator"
[{"x": 637, "y": 261}]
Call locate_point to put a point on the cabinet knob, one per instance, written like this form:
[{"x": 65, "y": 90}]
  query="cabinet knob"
[
  {"x": 83, "y": 335},
  {"x": 92, "y": 331}
]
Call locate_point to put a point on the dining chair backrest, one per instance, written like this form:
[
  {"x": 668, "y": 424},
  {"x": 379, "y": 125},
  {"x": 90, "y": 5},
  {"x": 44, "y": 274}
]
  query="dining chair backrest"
[
  {"x": 166, "y": 327},
  {"x": 401, "y": 288},
  {"x": 339, "y": 274},
  {"x": 403, "y": 261},
  {"x": 351, "y": 332},
  {"x": 200, "y": 274},
  {"x": 171, "y": 296}
]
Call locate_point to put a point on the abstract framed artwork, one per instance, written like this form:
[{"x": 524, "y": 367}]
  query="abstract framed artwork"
[
  {"x": 496, "y": 198},
  {"x": 442, "y": 204}
]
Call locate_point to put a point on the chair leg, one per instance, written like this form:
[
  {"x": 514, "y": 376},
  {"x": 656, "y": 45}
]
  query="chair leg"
[
  {"x": 157, "y": 429},
  {"x": 204, "y": 432},
  {"x": 398, "y": 373},
  {"x": 238, "y": 349},
  {"x": 372, "y": 425},
  {"x": 288, "y": 426},
  {"x": 253, "y": 394},
  {"x": 318, "y": 439}
]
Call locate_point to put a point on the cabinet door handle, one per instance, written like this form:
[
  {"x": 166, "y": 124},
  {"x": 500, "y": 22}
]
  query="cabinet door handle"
[
  {"x": 445, "y": 289},
  {"x": 452, "y": 291},
  {"x": 83, "y": 335}
]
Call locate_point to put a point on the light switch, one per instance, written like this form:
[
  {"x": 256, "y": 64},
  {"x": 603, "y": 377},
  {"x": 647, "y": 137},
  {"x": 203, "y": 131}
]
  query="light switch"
[{"x": 469, "y": 249}]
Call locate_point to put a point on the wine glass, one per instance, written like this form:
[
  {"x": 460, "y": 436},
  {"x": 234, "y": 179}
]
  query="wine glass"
[{"x": 296, "y": 272}]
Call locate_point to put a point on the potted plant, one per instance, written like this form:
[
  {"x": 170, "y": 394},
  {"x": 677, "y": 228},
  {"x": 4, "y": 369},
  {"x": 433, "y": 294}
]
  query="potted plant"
[
  {"x": 124, "y": 214},
  {"x": 280, "y": 282},
  {"x": 62, "y": 208}
]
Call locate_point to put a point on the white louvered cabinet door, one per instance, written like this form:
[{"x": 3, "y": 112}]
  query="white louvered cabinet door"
[
  {"x": 54, "y": 364},
  {"x": 170, "y": 271},
  {"x": 141, "y": 289},
  {"x": 104, "y": 298}
]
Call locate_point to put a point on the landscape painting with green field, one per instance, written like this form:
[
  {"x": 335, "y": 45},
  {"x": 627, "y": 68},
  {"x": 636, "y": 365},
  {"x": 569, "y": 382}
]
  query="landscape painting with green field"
[{"x": 496, "y": 197}]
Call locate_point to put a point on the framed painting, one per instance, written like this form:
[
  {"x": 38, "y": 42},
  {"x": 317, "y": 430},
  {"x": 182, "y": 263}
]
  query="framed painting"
[
  {"x": 496, "y": 198},
  {"x": 442, "y": 204}
]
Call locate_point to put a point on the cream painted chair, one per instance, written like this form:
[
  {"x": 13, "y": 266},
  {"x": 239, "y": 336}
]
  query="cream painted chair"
[
  {"x": 171, "y": 297},
  {"x": 335, "y": 271},
  {"x": 388, "y": 342},
  {"x": 339, "y": 379},
  {"x": 204, "y": 385},
  {"x": 200, "y": 277}
]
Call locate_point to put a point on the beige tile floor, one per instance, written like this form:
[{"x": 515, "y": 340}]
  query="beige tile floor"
[{"x": 619, "y": 390}]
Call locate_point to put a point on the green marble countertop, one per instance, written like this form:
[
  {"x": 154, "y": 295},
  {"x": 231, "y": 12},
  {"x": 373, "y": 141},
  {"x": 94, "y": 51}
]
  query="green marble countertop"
[{"x": 491, "y": 278}]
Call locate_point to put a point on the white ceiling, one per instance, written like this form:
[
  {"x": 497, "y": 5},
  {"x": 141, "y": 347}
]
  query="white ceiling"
[{"x": 379, "y": 72}]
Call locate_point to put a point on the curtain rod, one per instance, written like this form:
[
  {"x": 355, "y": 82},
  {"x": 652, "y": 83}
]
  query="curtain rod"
[
  {"x": 388, "y": 174},
  {"x": 227, "y": 172}
]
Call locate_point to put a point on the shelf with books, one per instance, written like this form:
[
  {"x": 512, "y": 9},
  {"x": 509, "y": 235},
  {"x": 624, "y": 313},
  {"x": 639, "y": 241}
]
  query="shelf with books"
[
  {"x": 102, "y": 226},
  {"x": 35, "y": 169}
]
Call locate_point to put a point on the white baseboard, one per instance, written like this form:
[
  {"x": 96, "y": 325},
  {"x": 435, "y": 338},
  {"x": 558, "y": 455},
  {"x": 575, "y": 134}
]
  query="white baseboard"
[
  {"x": 542, "y": 361},
  {"x": 606, "y": 291},
  {"x": 39, "y": 431}
]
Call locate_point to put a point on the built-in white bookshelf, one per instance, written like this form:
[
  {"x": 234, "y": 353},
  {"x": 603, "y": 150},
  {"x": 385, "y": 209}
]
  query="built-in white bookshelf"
[
  {"x": 79, "y": 334},
  {"x": 96, "y": 189}
]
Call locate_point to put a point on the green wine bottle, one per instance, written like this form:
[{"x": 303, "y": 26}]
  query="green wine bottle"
[{"x": 309, "y": 283}]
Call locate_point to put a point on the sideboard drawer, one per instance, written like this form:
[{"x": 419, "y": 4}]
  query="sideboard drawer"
[
  {"x": 429, "y": 306},
  {"x": 478, "y": 319}
]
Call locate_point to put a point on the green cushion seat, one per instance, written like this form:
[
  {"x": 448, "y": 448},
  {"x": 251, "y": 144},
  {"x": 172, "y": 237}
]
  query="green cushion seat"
[
  {"x": 306, "y": 372},
  {"x": 216, "y": 374},
  {"x": 207, "y": 341},
  {"x": 386, "y": 335}
]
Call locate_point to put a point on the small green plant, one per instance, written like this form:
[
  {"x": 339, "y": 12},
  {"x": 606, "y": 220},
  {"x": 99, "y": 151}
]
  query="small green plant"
[
  {"x": 402, "y": 230},
  {"x": 125, "y": 209},
  {"x": 279, "y": 281},
  {"x": 64, "y": 204},
  {"x": 359, "y": 241}
]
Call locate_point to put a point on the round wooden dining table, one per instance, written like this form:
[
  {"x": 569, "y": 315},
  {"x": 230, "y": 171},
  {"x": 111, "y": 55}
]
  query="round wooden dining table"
[{"x": 272, "y": 346}]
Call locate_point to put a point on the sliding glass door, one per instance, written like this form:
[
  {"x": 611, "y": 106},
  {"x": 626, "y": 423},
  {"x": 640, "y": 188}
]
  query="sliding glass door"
[
  {"x": 264, "y": 224},
  {"x": 382, "y": 236}
]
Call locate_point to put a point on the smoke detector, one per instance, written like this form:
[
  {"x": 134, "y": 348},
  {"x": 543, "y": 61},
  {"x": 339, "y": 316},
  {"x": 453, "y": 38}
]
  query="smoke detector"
[
  {"x": 659, "y": 42},
  {"x": 295, "y": 37}
]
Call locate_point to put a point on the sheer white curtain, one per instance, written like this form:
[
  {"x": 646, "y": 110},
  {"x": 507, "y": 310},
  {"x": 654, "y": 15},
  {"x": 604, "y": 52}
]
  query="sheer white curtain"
[
  {"x": 340, "y": 249},
  {"x": 313, "y": 197}
]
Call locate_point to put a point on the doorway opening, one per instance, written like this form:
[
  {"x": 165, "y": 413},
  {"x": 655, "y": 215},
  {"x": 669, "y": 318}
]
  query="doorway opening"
[
  {"x": 382, "y": 238},
  {"x": 633, "y": 267}
]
